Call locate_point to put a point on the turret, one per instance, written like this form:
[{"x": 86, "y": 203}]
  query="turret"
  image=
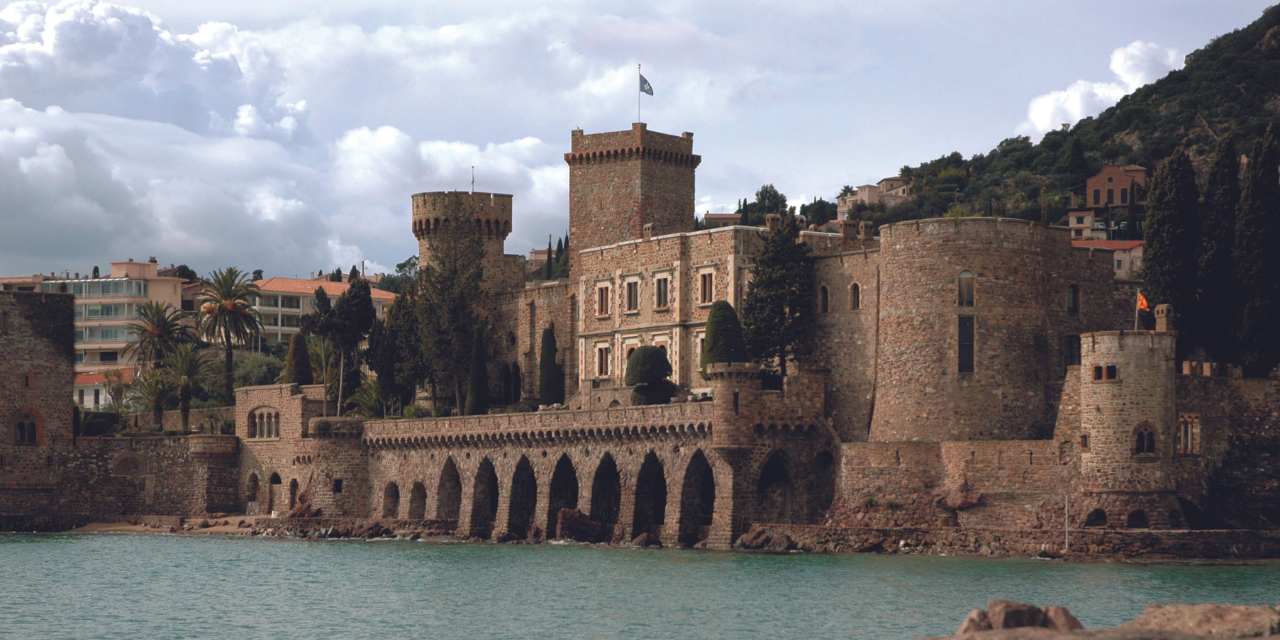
[
  {"x": 736, "y": 396},
  {"x": 490, "y": 213}
]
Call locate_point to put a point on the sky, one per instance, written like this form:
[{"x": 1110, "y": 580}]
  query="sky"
[{"x": 289, "y": 136}]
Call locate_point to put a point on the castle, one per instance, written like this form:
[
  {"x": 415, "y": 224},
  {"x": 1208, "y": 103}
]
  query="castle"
[{"x": 975, "y": 383}]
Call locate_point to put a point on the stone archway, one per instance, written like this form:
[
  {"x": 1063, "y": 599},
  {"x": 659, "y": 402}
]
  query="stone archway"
[
  {"x": 697, "y": 501},
  {"x": 775, "y": 495},
  {"x": 651, "y": 498},
  {"x": 293, "y": 494},
  {"x": 417, "y": 502},
  {"x": 391, "y": 500},
  {"x": 564, "y": 493},
  {"x": 449, "y": 492},
  {"x": 606, "y": 496},
  {"x": 484, "y": 500},
  {"x": 524, "y": 499}
]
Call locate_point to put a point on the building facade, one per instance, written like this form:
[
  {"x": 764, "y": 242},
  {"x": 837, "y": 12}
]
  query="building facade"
[{"x": 281, "y": 302}]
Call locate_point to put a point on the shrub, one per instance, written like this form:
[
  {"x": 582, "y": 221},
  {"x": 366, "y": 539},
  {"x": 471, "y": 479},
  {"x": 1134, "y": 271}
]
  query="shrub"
[
  {"x": 550, "y": 374},
  {"x": 647, "y": 371},
  {"x": 298, "y": 364},
  {"x": 724, "y": 341},
  {"x": 413, "y": 411}
]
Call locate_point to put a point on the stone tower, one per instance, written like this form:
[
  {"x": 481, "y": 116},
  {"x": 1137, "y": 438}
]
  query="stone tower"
[
  {"x": 622, "y": 180},
  {"x": 491, "y": 215}
]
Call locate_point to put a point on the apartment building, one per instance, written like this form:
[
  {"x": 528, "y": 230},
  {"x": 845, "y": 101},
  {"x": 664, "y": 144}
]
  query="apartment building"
[{"x": 283, "y": 301}]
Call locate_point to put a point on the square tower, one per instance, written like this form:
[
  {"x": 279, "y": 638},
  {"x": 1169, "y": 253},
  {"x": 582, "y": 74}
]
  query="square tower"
[{"x": 622, "y": 180}]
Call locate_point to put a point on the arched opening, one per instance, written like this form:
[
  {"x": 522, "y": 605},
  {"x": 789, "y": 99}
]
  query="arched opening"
[
  {"x": 1096, "y": 518},
  {"x": 275, "y": 478},
  {"x": 855, "y": 297},
  {"x": 1136, "y": 520},
  {"x": 564, "y": 494},
  {"x": 822, "y": 487},
  {"x": 449, "y": 492},
  {"x": 253, "y": 425},
  {"x": 651, "y": 498},
  {"x": 1144, "y": 439},
  {"x": 823, "y": 300},
  {"x": 293, "y": 494},
  {"x": 127, "y": 466},
  {"x": 965, "y": 286},
  {"x": 391, "y": 501},
  {"x": 606, "y": 496},
  {"x": 697, "y": 501},
  {"x": 1175, "y": 519},
  {"x": 484, "y": 500},
  {"x": 775, "y": 496},
  {"x": 251, "y": 489},
  {"x": 417, "y": 502},
  {"x": 524, "y": 499}
]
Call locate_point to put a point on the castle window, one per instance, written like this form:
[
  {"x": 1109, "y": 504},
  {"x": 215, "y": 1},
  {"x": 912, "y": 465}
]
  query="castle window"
[
  {"x": 855, "y": 297},
  {"x": 1097, "y": 373},
  {"x": 966, "y": 289},
  {"x": 603, "y": 308},
  {"x": 633, "y": 296},
  {"x": 1070, "y": 350},
  {"x": 1112, "y": 373},
  {"x": 1189, "y": 434},
  {"x": 603, "y": 355},
  {"x": 966, "y": 344},
  {"x": 822, "y": 300},
  {"x": 707, "y": 282},
  {"x": 1073, "y": 299},
  {"x": 1111, "y": 196},
  {"x": 337, "y": 485},
  {"x": 1097, "y": 196},
  {"x": 1124, "y": 196},
  {"x": 1084, "y": 441},
  {"x": 663, "y": 292},
  {"x": 253, "y": 426},
  {"x": 1144, "y": 441}
]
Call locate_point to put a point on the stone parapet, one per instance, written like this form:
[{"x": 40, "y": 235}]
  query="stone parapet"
[{"x": 211, "y": 447}]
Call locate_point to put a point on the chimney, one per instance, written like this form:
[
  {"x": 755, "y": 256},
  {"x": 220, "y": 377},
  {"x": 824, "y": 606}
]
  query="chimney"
[
  {"x": 648, "y": 231},
  {"x": 153, "y": 260},
  {"x": 1164, "y": 318},
  {"x": 866, "y": 229},
  {"x": 772, "y": 221}
]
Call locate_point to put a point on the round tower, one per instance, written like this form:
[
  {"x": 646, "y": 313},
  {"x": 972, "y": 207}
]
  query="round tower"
[
  {"x": 735, "y": 388},
  {"x": 966, "y": 328},
  {"x": 489, "y": 212}
]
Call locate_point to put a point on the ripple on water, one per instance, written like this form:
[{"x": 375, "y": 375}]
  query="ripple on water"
[{"x": 128, "y": 586}]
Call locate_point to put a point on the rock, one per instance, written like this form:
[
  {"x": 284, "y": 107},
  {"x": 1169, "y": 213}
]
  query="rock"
[
  {"x": 780, "y": 542},
  {"x": 1007, "y": 614},
  {"x": 304, "y": 510},
  {"x": 1218, "y": 620},
  {"x": 646, "y": 540},
  {"x": 976, "y": 621},
  {"x": 571, "y": 524},
  {"x": 535, "y": 534},
  {"x": 1059, "y": 619},
  {"x": 755, "y": 538},
  {"x": 872, "y": 545},
  {"x": 203, "y": 524},
  {"x": 509, "y": 537}
]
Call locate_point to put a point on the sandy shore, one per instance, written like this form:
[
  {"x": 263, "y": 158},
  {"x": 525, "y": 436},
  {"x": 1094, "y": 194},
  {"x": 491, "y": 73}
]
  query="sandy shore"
[{"x": 230, "y": 529}]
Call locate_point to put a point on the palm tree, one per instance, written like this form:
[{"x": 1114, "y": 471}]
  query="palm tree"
[
  {"x": 159, "y": 330},
  {"x": 152, "y": 391},
  {"x": 227, "y": 315},
  {"x": 323, "y": 363},
  {"x": 186, "y": 369},
  {"x": 366, "y": 401}
]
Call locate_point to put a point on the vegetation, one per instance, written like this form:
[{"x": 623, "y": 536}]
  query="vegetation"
[
  {"x": 1172, "y": 235},
  {"x": 394, "y": 354},
  {"x": 768, "y": 200},
  {"x": 187, "y": 369},
  {"x": 1257, "y": 260},
  {"x": 1216, "y": 278},
  {"x": 819, "y": 211},
  {"x": 778, "y": 312},
  {"x": 151, "y": 392},
  {"x": 724, "y": 341},
  {"x": 403, "y": 279},
  {"x": 647, "y": 371},
  {"x": 297, "y": 368},
  {"x": 557, "y": 264},
  {"x": 478, "y": 380},
  {"x": 160, "y": 330},
  {"x": 257, "y": 369},
  {"x": 550, "y": 373},
  {"x": 227, "y": 316}
]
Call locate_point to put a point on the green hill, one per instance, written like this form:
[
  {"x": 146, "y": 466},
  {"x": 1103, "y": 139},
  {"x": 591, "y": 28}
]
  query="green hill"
[{"x": 1231, "y": 85}]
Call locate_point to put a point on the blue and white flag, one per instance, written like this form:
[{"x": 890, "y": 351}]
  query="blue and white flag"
[{"x": 645, "y": 87}]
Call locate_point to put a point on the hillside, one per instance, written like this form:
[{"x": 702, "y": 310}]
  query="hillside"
[{"x": 1231, "y": 85}]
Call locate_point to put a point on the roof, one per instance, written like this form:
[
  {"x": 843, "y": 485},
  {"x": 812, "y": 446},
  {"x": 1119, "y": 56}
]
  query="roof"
[
  {"x": 721, "y": 216},
  {"x": 334, "y": 289},
  {"x": 1115, "y": 245},
  {"x": 100, "y": 377}
]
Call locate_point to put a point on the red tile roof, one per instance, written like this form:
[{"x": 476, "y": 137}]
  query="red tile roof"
[
  {"x": 334, "y": 289},
  {"x": 1118, "y": 245},
  {"x": 100, "y": 377}
]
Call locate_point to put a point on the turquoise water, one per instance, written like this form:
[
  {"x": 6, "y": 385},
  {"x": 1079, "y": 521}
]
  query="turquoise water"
[{"x": 133, "y": 586}]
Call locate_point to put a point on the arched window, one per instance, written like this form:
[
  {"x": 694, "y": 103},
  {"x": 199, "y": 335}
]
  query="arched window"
[
  {"x": 822, "y": 300},
  {"x": 855, "y": 297},
  {"x": 253, "y": 425},
  {"x": 1144, "y": 441},
  {"x": 20, "y": 433},
  {"x": 276, "y": 429},
  {"x": 26, "y": 430},
  {"x": 1136, "y": 520},
  {"x": 966, "y": 288},
  {"x": 1096, "y": 518},
  {"x": 1073, "y": 299}
]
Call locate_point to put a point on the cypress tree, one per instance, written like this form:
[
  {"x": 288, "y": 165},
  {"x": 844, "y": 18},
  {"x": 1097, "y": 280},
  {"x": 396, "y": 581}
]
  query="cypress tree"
[
  {"x": 1172, "y": 248},
  {"x": 549, "y": 265},
  {"x": 550, "y": 374},
  {"x": 336, "y": 276},
  {"x": 1216, "y": 312},
  {"x": 354, "y": 275},
  {"x": 298, "y": 367},
  {"x": 779, "y": 311},
  {"x": 1257, "y": 260},
  {"x": 723, "y": 339},
  {"x": 478, "y": 383}
]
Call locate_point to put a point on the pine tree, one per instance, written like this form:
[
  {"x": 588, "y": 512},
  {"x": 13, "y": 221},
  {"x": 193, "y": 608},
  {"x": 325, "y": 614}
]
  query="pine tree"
[
  {"x": 1218, "y": 298},
  {"x": 550, "y": 373},
  {"x": 779, "y": 311},
  {"x": 297, "y": 368},
  {"x": 723, "y": 339},
  {"x": 478, "y": 383},
  {"x": 354, "y": 275},
  {"x": 1171, "y": 252},
  {"x": 1257, "y": 260},
  {"x": 336, "y": 276}
]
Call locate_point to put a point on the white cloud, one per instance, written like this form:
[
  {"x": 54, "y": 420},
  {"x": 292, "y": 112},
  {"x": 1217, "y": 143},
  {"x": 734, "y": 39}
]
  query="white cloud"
[{"x": 1136, "y": 64}]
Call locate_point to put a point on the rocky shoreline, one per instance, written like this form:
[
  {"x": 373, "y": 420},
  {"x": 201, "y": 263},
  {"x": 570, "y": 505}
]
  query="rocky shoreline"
[{"x": 1008, "y": 620}]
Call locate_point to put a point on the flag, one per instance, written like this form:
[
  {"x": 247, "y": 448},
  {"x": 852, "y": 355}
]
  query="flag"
[
  {"x": 1142, "y": 302},
  {"x": 645, "y": 87}
]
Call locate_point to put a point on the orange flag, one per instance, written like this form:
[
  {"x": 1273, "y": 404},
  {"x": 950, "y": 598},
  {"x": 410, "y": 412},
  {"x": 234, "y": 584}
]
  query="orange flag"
[{"x": 1142, "y": 302}]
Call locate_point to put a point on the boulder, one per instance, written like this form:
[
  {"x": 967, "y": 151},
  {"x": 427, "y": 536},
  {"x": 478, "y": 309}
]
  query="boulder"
[
  {"x": 571, "y": 524},
  {"x": 755, "y": 538},
  {"x": 1059, "y": 619},
  {"x": 1007, "y": 614},
  {"x": 535, "y": 534},
  {"x": 976, "y": 621},
  {"x": 780, "y": 542},
  {"x": 646, "y": 540},
  {"x": 1217, "y": 620}
]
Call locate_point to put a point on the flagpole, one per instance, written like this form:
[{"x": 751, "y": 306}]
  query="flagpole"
[{"x": 638, "y": 73}]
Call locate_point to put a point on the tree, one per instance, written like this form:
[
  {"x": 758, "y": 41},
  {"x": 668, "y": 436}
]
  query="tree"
[
  {"x": 1073, "y": 164},
  {"x": 778, "y": 312},
  {"x": 187, "y": 368},
  {"x": 258, "y": 369},
  {"x": 96, "y": 272},
  {"x": 323, "y": 363},
  {"x": 819, "y": 212},
  {"x": 350, "y": 321},
  {"x": 647, "y": 371},
  {"x": 549, "y": 266},
  {"x": 1257, "y": 261},
  {"x": 1170, "y": 256},
  {"x": 478, "y": 381},
  {"x": 187, "y": 274},
  {"x": 116, "y": 388},
  {"x": 354, "y": 274},
  {"x": 336, "y": 276},
  {"x": 723, "y": 341},
  {"x": 159, "y": 330},
  {"x": 297, "y": 369},
  {"x": 257, "y": 275},
  {"x": 550, "y": 373},
  {"x": 151, "y": 392},
  {"x": 450, "y": 297},
  {"x": 367, "y": 402},
  {"x": 403, "y": 279},
  {"x": 393, "y": 352},
  {"x": 1216, "y": 283},
  {"x": 227, "y": 316}
]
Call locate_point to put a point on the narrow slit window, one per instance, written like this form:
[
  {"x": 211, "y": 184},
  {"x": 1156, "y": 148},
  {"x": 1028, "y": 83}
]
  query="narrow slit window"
[
  {"x": 855, "y": 297},
  {"x": 966, "y": 289},
  {"x": 1073, "y": 299},
  {"x": 966, "y": 344},
  {"x": 633, "y": 296},
  {"x": 663, "y": 293},
  {"x": 822, "y": 300}
]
